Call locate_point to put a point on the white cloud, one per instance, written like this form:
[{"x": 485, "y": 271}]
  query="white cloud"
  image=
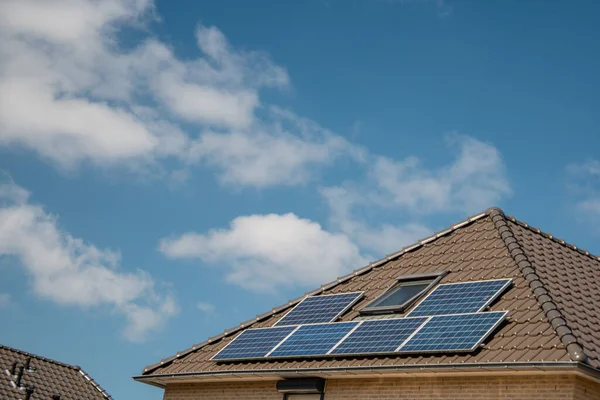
[
  {"x": 584, "y": 180},
  {"x": 589, "y": 168},
  {"x": 69, "y": 92},
  {"x": 206, "y": 307},
  {"x": 5, "y": 300},
  {"x": 71, "y": 272},
  {"x": 381, "y": 239},
  {"x": 282, "y": 152},
  {"x": 269, "y": 252},
  {"x": 205, "y": 104},
  {"x": 475, "y": 180},
  {"x": 72, "y": 94}
]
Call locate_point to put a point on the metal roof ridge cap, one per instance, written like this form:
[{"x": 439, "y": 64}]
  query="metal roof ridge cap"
[
  {"x": 574, "y": 349},
  {"x": 95, "y": 384},
  {"x": 324, "y": 287}
]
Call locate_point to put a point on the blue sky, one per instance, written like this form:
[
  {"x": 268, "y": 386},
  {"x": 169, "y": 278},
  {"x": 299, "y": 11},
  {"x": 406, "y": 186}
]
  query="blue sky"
[{"x": 171, "y": 169}]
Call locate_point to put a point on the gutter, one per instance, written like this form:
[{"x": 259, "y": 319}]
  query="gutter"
[{"x": 412, "y": 369}]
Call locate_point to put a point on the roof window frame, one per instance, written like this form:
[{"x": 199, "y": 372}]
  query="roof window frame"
[{"x": 406, "y": 280}]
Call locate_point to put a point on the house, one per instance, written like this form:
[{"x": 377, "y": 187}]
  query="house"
[
  {"x": 30, "y": 377},
  {"x": 540, "y": 337}
]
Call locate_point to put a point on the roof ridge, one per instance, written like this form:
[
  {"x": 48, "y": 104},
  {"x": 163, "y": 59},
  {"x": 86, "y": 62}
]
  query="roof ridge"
[
  {"x": 552, "y": 237},
  {"x": 551, "y": 310},
  {"x": 62, "y": 364},
  {"x": 27, "y": 354},
  {"x": 321, "y": 289}
]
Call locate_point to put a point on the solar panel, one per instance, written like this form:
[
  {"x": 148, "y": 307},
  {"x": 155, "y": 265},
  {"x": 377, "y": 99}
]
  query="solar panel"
[
  {"x": 254, "y": 343},
  {"x": 460, "y": 332},
  {"x": 317, "y": 309},
  {"x": 455, "y": 298},
  {"x": 311, "y": 340},
  {"x": 379, "y": 336}
]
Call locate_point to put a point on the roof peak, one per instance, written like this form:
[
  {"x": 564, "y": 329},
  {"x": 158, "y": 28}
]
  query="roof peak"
[{"x": 551, "y": 310}]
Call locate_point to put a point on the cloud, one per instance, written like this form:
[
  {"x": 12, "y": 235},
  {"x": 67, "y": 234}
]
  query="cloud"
[
  {"x": 206, "y": 307},
  {"x": 584, "y": 182},
  {"x": 72, "y": 94},
  {"x": 474, "y": 181},
  {"x": 381, "y": 239},
  {"x": 5, "y": 300},
  {"x": 270, "y": 252},
  {"x": 70, "y": 272},
  {"x": 69, "y": 92},
  {"x": 282, "y": 152},
  {"x": 589, "y": 168}
]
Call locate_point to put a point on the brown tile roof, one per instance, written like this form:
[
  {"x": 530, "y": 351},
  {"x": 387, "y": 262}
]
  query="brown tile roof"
[
  {"x": 554, "y": 303},
  {"x": 45, "y": 377}
]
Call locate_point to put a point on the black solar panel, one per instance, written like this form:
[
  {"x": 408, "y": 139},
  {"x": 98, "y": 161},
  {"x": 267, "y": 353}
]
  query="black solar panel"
[
  {"x": 311, "y": 340},
  {"x": 254, "y": 343},
  {"x": 455, "y": 298},
  {"x": 317, "y": 309},
  {"x": 461, "y": 332},
  {"x": 379, "y": 336}
]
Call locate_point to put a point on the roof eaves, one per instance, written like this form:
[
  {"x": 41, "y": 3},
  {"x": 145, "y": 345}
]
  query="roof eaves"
[
  {"x": 410, "y": 368},
  {"x": 552, "y": 312},
  {"x": 323, "y": 288}
]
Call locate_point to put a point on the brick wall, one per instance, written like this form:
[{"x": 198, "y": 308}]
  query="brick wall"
[
  {"x": 460, "y": 388},
  {"x": 223, "y": 391},
  {"x": 585, "y": 389}
]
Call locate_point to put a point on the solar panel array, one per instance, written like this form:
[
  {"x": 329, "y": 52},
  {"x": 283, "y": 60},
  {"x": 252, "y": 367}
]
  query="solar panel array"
[
  {"x": 379, "y": 336},
  {"x": 460, "y": 332},
  {"x": 317, "y": 309},
  {"x": 307, "y": 330},
  {"x": 455, "y": 298},
  {"x": 441, "y": 333},
  {"x": 311, "y": 340}
]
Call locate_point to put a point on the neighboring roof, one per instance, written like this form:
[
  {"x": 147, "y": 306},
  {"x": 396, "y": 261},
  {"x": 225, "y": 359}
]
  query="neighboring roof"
[
  {"x": 554, "y": 304},
  {"x": 46, "y": 377}
]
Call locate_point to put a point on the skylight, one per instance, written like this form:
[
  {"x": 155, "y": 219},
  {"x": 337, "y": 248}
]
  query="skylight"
[{"x": 402, "y": 295}]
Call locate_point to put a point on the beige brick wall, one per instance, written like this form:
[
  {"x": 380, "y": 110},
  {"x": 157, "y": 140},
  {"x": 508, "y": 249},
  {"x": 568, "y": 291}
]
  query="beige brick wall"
[
  {"x": 585, "y": 389},
  {"x": 460, "y": 388},
  {"x": 223, "y": 391}
]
